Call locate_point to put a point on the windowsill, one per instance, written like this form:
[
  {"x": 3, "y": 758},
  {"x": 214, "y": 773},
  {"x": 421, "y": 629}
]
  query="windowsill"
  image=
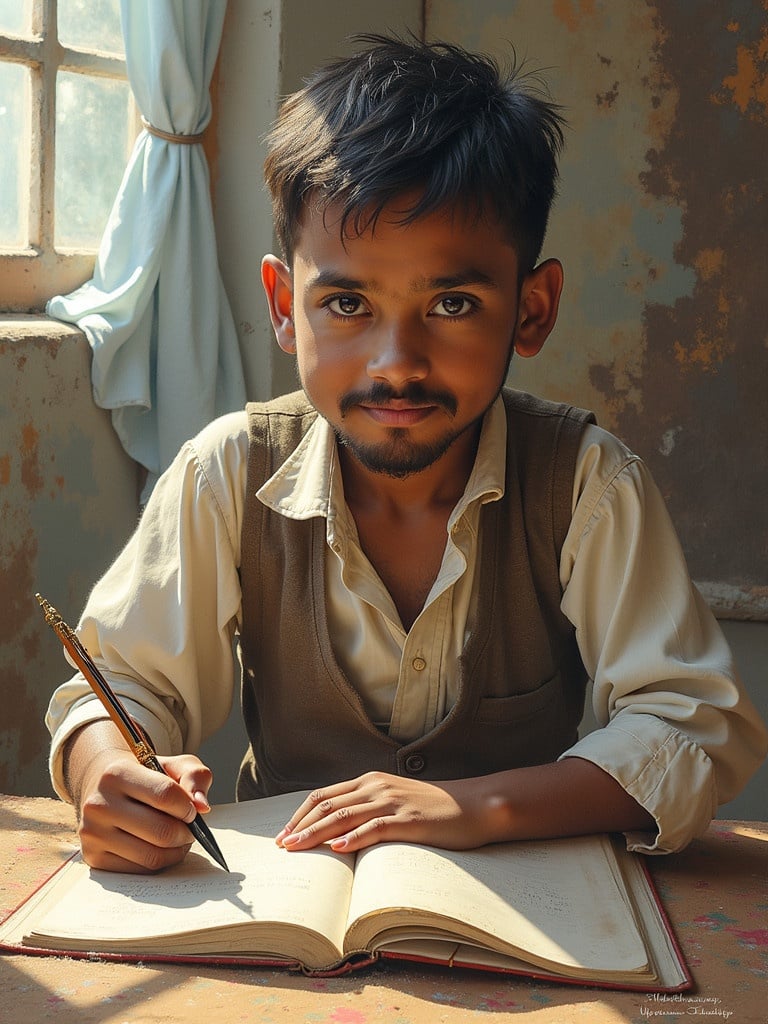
[
  {"x": 32, "y": 326},
  {"x": 30, "y": 278}
]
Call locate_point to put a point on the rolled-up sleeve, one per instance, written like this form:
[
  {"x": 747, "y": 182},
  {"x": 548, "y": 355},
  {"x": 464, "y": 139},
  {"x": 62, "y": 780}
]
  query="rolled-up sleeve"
[
  {"x": 678, "y": 730},
  {"x": 160, "y": 623}
]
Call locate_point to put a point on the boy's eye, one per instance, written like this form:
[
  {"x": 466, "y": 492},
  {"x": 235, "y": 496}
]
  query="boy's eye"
[
  {"x": 345, "y": 305},
  {"x": 453, "y": 305}
]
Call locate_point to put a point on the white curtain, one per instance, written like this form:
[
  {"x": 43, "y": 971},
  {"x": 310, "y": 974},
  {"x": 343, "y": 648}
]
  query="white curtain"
[{"x": 166, "y": 358}]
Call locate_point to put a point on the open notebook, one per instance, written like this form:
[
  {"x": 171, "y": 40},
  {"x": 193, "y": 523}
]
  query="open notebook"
[{"x": 580, "y": 910}]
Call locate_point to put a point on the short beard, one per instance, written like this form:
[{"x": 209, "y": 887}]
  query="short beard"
[{"x": 398, "y": 458}]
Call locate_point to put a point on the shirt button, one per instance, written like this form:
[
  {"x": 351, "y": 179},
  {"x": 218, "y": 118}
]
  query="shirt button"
[
  {"x": 419, "y": 664},
  {"x": 415, "y": 763}
]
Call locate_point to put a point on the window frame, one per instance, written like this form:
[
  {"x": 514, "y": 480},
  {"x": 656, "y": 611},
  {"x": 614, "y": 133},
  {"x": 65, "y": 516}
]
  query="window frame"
[{"x": 31, "y": 275}]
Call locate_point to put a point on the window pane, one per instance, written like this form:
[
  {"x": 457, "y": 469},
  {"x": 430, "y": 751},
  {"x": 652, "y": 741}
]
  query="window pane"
[
  {"x": 92, "y": 118},
  {"x": 91, "y": 25},
  {"x": 16, "y": 17},
  {"x": 14, "y": 155}
]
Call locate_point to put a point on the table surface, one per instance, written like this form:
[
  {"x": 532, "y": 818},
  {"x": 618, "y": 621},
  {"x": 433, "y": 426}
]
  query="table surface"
[{"x": 715, "y": 892}]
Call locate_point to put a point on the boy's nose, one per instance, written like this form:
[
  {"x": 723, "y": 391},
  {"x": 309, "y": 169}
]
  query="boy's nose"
[{"x": 399, "y": 356}]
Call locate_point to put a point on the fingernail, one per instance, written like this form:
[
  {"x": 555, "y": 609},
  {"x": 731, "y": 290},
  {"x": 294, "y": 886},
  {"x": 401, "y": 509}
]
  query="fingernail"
[
  {"x": 201, "y": 798},
  {"x": 340, "y": 844},
  {"x": 289, "y": 840}
]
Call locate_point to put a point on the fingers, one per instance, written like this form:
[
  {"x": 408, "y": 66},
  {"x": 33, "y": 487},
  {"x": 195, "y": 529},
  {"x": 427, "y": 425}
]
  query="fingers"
[
  {"x": 375, "y": 830},
  {"x": 193, "y": 776},
  {"x": 124, "y": 852},
  {"x": 133, "y": 818},
  {"x": 318, "y": 805},
  {"x": 355, "y": 814}
]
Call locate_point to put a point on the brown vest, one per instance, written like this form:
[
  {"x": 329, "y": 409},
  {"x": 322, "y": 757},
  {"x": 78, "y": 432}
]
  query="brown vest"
[{"x": 521, "y": 680}]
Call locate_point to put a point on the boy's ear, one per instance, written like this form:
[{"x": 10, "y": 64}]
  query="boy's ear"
[
  {"x": 539, "y": 303},
  {"x": 278, "y": 287}
]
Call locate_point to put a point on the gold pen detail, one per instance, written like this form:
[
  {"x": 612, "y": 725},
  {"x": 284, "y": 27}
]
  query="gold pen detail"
[
  {"x": 55, "y": 620},
  {"x": 145, "y": 754}
]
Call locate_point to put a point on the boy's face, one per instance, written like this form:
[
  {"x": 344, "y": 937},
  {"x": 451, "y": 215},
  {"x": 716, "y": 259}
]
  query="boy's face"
[{"x": 403, "y": 335}]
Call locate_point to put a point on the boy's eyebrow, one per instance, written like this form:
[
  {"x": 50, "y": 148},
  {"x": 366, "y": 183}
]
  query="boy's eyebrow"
[
  {"x": 461, "y": 279},
  {"x": 332, "y": 279}
]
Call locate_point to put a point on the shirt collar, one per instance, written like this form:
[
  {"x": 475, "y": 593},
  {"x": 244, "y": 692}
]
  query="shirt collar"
[
  {"x": 486, "y": 481},
  {"x": 309, "y": 482}
]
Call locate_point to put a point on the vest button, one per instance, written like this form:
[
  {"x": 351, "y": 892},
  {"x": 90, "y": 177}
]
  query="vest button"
[
  {"x": 415, "y": 763},
  {"x": 419, "y": 664}
]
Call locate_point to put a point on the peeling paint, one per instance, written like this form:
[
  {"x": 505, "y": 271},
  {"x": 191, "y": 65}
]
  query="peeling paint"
[
  {"x": 607, "y": 99},
  {"x": 668, "y": 441},
  {"x": 709, "y": 263},
  {"x": 748, "y": 86},
  {"x": 661, "y": 225},
  {"x": 706, "y": 353}
]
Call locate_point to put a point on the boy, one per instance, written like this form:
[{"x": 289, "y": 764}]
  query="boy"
[{"x": 421, "y": 567}]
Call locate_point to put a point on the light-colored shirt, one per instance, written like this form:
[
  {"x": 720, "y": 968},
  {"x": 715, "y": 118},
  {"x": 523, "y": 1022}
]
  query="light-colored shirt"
[{"x": 678, "y": 731}]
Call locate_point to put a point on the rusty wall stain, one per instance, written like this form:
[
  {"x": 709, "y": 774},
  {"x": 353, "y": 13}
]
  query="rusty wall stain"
[
  {"x": 706, "y": 365},
  {"x": 662, "y": 227},
  {"x": 31, "y": 476},
  {"x": 749, "y": 83},
  {"x": 572, "y": 12}
]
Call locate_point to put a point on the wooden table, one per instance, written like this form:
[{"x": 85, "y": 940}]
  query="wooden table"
[{"x": 716, "y": 894}]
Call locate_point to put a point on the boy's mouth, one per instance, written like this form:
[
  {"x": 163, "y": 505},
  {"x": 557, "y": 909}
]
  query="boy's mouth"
[
  {"x": 398, "y": 412},
  {"x": 413, "y": 404}
]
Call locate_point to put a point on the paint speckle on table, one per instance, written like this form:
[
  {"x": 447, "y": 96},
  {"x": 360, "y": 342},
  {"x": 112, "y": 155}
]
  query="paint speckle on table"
[{"x": 346, "y": 1015}]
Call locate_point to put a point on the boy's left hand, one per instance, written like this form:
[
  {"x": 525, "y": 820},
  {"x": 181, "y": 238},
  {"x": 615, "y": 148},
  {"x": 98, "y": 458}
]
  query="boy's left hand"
[
  {"x": 377, "y": 807},
  {"x": 568, "y": 797}
]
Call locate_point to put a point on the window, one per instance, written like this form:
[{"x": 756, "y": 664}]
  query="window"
[{"x": 67, "y": 123}]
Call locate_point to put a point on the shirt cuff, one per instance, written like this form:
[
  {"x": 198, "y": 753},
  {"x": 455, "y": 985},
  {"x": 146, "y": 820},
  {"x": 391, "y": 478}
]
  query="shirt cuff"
[{"x": 660, "y": 767}]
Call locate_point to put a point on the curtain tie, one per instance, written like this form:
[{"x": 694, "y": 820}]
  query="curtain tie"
[{"x": 182, "y": 140}]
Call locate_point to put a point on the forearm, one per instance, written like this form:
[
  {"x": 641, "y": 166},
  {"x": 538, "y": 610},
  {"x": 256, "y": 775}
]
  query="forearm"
[
  {"x": 87, "y": 747},
  {"x": 570, "y": 797}
]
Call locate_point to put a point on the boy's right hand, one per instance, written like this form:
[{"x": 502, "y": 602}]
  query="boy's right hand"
[{"x": 132, "y": 818}]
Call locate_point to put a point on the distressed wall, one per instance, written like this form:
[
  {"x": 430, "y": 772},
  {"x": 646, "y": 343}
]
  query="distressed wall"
[
  {"x": 661, "y": 225},
  {"x": 68, "y": 500}
]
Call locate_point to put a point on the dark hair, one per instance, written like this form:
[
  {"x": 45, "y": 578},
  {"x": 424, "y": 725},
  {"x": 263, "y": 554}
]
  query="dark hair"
[{"x": 403, "y": 115}]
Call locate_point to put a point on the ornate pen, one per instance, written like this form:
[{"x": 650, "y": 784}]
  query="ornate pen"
[{"x": 130, "y": 732}]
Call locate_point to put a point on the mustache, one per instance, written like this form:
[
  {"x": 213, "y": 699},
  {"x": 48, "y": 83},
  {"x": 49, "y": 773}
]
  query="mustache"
[{"x": 381, "y": 394}]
